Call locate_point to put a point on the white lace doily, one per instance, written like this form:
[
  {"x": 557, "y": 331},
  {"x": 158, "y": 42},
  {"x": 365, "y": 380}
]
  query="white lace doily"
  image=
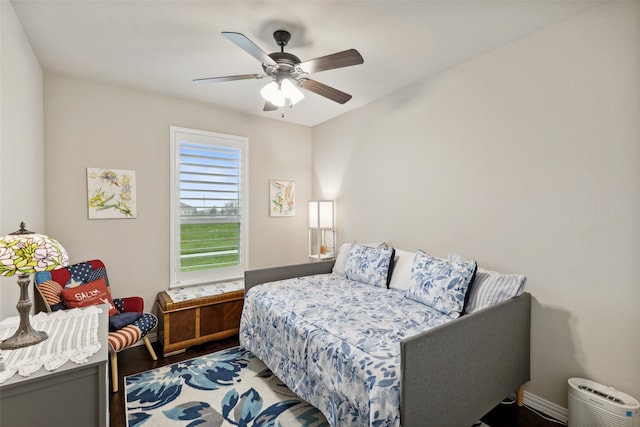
[{"x": 73, "y": 335}]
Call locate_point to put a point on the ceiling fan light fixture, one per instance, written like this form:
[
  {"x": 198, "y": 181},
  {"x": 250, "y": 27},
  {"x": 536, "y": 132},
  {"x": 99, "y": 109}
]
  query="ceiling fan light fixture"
[
  {"x": 291, "y": 92},
  {"x": 279, "y": 93},
  {"x": 272, "y": 93}
]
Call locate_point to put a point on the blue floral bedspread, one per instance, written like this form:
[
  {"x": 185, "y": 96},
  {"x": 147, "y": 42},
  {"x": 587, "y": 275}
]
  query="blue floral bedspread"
[{"x": 336, "y": 343}]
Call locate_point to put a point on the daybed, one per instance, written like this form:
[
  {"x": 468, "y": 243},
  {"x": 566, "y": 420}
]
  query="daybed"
[{"x": 335, "y": 341}]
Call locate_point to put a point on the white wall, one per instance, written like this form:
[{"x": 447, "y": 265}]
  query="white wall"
[
  {"x": 21, "y": 141},
  {"x": 89, "y": 124},
  {"x": 526, "y": 159}
]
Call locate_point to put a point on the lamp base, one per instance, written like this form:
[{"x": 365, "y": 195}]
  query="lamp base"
[
  {"x": 25, "y": 335},
  {"x": 23, "y": 339}
]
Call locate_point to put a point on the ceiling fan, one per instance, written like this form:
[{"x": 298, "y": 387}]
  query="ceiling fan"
[{"x": 288, "y": 73}]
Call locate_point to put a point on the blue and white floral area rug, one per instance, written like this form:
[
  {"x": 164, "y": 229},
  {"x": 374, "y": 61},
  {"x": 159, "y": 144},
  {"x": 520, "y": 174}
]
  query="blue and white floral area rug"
[{"x": 228, "y": 388}]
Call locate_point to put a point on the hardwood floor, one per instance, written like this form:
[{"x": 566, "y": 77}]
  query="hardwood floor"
[
  {"x": 511, "y": 415},
  {"x": 137, "y": 359}
]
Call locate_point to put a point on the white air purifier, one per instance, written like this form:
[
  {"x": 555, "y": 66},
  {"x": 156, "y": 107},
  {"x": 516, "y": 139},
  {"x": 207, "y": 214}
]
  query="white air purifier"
[{"x": 595, "y": 405}]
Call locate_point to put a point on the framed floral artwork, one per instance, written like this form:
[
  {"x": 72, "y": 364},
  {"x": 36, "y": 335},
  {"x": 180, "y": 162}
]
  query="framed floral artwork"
[
  {"x": 282, "y": 198},
  {"x": 111, "y": 193}
]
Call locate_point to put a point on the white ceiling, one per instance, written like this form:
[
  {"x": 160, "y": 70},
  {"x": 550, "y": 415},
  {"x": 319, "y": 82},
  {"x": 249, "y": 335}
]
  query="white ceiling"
[{"x": 161, "y": 46}]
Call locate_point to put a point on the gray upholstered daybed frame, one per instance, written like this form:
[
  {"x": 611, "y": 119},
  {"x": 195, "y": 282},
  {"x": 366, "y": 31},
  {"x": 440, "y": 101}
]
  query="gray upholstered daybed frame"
[{"x": 455, "y": 373}]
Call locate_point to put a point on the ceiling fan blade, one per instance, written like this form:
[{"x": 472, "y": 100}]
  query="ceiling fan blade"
[
  {"x": 345, "y": 58},
  {"x": 228, "y": 78},
  {"x": 250, "y": 47},
  {"x": 269, "y": 107},
  {"x": 324, "y": 90}
]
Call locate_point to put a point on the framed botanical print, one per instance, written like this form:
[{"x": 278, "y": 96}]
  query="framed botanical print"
[
  {"x": 282, "y": 198},
  {"x": 111, "y": 193}
]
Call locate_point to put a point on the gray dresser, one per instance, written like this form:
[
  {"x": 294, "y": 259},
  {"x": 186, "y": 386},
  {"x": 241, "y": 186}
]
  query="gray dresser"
[{"x": 74, "y": 394}]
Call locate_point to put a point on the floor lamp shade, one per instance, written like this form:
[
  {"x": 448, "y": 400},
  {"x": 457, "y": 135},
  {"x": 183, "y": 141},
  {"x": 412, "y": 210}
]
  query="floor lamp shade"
[
  {"x": 321, "y": 214},
  {"x": 321, "y": 222}
]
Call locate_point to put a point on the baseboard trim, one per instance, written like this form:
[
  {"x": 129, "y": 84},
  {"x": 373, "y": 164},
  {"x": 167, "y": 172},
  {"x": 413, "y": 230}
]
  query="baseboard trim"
[{"x": 546, "y": 407}]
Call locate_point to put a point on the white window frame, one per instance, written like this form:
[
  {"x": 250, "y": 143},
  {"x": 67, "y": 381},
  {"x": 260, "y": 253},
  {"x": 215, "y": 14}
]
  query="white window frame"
[{"x": 177, "y": 277}]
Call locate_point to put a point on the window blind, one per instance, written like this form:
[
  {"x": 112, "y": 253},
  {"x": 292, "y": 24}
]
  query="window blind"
[{"x": 209, "y": 221}]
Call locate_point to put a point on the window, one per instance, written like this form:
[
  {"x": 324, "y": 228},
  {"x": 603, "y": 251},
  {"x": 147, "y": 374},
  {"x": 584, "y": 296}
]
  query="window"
[{"x": 209, "y": 210}]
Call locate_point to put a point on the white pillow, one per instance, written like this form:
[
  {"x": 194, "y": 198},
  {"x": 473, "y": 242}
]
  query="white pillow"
[
  {"x": 341, "y": 259},
  {"x": 401, "y": 273},
  {"x": 490, "y": 287}
]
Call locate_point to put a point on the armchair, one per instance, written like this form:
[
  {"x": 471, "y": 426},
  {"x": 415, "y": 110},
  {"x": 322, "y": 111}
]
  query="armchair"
[{"x": 87, "y": 283}]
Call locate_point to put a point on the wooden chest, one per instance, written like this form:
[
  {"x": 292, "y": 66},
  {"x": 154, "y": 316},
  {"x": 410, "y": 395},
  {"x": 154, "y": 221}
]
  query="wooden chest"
[{"x": 186, "y": 323}]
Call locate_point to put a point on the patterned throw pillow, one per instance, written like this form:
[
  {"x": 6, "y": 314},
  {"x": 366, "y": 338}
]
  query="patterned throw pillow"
[
  {"x": 92, "y": 293},
  {"x": 340, "y": 263},
  {"x": 51, "y": 291},
  {"x": 369, "y": 265},
  {"x": 439, "y": 283},
  {"x": 490, "y": 287}
]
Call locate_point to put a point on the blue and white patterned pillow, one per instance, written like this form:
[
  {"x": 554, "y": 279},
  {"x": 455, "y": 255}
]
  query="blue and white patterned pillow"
[
  {"x": 439, "y": 283},
  {"x": 343, "y": 255},
  {"x": 490, "y": 287},
  {"x": 369, "y": 265}
]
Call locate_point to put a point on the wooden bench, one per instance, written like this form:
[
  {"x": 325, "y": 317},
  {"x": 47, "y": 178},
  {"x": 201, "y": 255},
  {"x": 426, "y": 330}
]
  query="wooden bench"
[{"x": 196, "y": 321}]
